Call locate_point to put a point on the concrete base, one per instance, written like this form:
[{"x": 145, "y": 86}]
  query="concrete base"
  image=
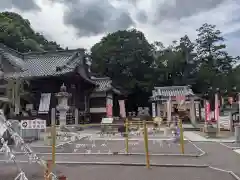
[{"x": 210, "y": 131}]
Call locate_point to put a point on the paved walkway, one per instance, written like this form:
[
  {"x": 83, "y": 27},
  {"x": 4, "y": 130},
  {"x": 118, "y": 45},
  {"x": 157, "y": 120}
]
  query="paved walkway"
[
  {"x": 219, "y": 156},
  {"x": 194, "y": 137}
]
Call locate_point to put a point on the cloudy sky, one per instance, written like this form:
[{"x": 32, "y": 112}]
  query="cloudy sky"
[{"x": 81, "y": 23}]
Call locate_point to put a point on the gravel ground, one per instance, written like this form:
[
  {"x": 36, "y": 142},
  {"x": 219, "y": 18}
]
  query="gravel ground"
[
  {"x": 135, "y": 146},
  {"x": 76, "y": 172}
]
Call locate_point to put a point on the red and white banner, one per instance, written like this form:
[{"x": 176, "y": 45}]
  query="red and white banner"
[
  {"x": 216, "y": 111},
  {"x": 207, "y": 111},
  {"x": 230, "y": 100},
  {"x": 122, "y": 108},
  {"x": 109, "y": 106},
  {"x": 109, "y": 110}
]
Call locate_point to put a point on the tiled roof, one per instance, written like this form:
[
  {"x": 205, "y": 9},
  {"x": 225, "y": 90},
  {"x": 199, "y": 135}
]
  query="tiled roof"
[
  {"x": 46, "y": 65},
  {"x": 42, "y": 64},
  {"x": 104, "y": 84},
  {"x": 170, "y": 91},
  {"x": 15, "y": 58}
]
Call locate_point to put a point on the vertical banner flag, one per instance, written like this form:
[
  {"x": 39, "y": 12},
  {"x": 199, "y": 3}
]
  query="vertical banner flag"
[
  {"x": 153, "y": 110},
  {"x": 122, "y": 108},
  {"x": 207, "y": 111},
  {"x": 216, "y": 112},
  {"x": 109, "y": 107}
]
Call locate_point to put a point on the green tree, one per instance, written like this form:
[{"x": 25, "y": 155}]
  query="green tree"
[
  {"x": 126, "y": 57},
  {"x": 16, "y": 33},
  {"x": 175, "y": 63},
  {"x": 214, "y": 63}
]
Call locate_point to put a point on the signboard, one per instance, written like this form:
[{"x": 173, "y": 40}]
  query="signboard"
[
  {"x": 122, "y": 108},
  {"x": 224, "y": 122},
  {"x": 33, "y": 124},
  {"x": 107, "y": 120}
]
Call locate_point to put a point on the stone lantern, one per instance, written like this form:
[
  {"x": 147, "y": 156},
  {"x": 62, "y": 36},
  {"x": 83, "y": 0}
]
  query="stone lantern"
[{"x": 62, "y": 106}]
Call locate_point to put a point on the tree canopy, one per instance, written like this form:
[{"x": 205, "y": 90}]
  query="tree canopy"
[
  {"x": 16, "y": 33},
  {"x": 126, "y": 56},
  {"x": 137, "y": 65},
  {"x": 132, "y": 61}
]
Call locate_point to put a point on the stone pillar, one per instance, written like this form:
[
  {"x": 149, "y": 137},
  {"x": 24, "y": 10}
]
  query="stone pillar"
[
  {"x": 169, "y": 110},
  {"x": 76, "y": 116},
  {"x": 192, "y": 111}
]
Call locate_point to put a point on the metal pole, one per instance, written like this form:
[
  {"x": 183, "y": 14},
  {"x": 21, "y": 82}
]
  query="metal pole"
[
  {"x": 181, "y": 136},
  {"x": 53, "y": 134},
  {"x": 126, "y": 135},
  {"x": 146, "y": 144}
]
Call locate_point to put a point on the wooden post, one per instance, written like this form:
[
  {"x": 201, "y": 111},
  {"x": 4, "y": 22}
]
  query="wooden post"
[
  {"x": 181, "y": 135},
  {"x": 146, "y": 144},
  {"x": 47, "y": 172},
  {"x": 53, "y": 134}
]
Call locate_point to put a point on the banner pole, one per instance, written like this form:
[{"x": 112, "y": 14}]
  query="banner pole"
[{"x": 181, "y": 135}]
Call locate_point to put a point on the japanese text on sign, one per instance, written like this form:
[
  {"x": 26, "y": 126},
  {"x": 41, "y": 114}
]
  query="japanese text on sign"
[{"x": 33, "y": 124}]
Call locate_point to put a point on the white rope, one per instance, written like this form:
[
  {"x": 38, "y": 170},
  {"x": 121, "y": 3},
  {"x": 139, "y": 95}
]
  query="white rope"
[{"x": 19, "y": 142}]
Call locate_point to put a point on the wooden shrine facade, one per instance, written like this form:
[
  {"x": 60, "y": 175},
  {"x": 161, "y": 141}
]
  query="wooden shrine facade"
[
  {"x": 166, "y": 99},
  {"x": 31, "y": 81}
]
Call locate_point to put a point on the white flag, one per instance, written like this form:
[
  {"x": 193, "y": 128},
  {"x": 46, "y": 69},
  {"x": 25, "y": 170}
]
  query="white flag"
[{"x": 122, "y": 108}]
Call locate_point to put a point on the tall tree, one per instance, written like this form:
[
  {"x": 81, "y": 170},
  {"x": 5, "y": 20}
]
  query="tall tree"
[
  {"x": 16, "y": 33},
  {"x": 214, "y": 63},
  {"x": 175, "y": 63},
  {"x": 127, "y": 57}
]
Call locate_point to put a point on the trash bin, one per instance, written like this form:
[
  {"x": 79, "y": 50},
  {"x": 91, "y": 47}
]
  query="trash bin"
[{"x": 237, "y": 133}]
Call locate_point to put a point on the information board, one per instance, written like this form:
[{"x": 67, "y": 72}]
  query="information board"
[
  {"x": 107, "y": 120},
  {"x": 33, "y": 124}
]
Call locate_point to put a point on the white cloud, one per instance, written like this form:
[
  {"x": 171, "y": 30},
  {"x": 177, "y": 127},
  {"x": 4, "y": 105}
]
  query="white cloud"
[{"x": 50, "y": 22}]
